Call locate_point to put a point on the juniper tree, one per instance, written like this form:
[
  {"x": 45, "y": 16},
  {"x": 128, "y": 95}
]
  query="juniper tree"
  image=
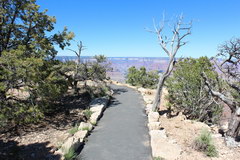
[{"x": 27, "y": 51}]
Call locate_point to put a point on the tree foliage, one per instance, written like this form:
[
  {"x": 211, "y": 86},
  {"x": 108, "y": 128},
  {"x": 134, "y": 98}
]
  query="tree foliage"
[
  {"x": 228, "y": 62},
  {"x": 140, "y": 77},
  {"x": 187, "y": 92},
  {"x": 27, "y": 62}
]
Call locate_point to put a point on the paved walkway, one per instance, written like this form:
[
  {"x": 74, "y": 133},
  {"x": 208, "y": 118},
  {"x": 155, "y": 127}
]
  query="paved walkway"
[{"x": 121, "y": 134}]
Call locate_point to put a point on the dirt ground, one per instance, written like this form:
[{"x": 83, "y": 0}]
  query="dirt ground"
[
  {"x": 183, "y": 132},
  {"x": 40, "y": 141}
]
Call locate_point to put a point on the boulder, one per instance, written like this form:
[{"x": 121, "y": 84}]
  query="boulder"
[
  {"x": 153, "y": 117},
  {"x": 154, "y": 126}
]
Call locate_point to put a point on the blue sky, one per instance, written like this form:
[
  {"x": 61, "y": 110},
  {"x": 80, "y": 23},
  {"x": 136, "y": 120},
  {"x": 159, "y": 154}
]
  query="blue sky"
[{"x": 116, "y": 28}]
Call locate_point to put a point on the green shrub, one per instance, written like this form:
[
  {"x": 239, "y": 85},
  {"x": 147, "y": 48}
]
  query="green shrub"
[
  {"x": 70, "y": 155},
  {"x": 73, "y": 130},
  {"x": 85, "y": 129},
  {"x": 204, "y": 143},
  {"x": 142, "y": 78},
  {"x": 187, "y": 92},
  {"x": 88, "y": 113}
]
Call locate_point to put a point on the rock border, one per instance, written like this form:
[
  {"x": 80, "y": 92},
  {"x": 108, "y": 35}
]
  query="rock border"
[{"x": 97, "y": 106}]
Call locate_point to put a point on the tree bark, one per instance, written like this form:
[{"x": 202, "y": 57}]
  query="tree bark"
[
  {"x": 234, "y": 125},
  {"x": 158, "y": 95}
]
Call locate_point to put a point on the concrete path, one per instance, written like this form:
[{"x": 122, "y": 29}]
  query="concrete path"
[{"x": 122, "y": 132}]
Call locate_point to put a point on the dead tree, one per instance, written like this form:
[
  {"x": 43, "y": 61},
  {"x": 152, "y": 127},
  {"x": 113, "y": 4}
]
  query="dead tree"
[
  {"x": 170, "y": 46},
  {"x": 76, "y": 76},
  {"x": 228, "y": 63}
]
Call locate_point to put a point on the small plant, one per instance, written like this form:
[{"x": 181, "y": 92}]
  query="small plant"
[
  {"x": 204, "y": 143},
  {"x": 88, "y": 113},
  {"x": 70, "y": 155},
  {"x": 94, "y": 123},
  {"x": 85, "y": 129},
  {"x": 73, "y": 130}
]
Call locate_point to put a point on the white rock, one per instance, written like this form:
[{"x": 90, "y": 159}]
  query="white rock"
[
  {"x": 80, "y": 135},
  {"x": 97, "y": 108},
  {"x": 142, "y": 90},
  {"x": 230, "y": 142},
  {"x": 153, "y": 117},
  {"x": 224, "y": 127},
  {"x": 84, "y": 125},
  {"x": 71, "y": 142},
  {"x": 159, "y": 133},
  {"x": 95, "y": 116},
  {"x": 238, "y": 111},
  {"x": 161, "y": 147},
  {"x": 154, "y": 126},
  {"x": 147, "y": 100},
  {"x": 148, "y": 108}
]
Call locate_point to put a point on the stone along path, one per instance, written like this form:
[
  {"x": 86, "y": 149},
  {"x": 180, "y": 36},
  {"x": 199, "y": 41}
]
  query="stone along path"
[{"x": 122, "y": 132}]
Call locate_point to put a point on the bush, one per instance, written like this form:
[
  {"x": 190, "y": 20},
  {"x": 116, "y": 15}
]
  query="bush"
[
  {"x": 70, "y": 155},
  {"x": 87, "y": 113},
  {"x": 187, "y": 92},
  {"x": 73, "y": 130},
  {"x": 142, "y": 78},
  {"x": 204, "y": 143}
]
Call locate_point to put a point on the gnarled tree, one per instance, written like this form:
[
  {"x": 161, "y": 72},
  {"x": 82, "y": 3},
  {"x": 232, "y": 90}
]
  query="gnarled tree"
[
  {"x": 170, "y": 45},
  {"x": 228, "y": 62}
]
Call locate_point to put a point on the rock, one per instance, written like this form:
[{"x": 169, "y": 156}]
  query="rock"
[
  {"x": 84, "y": 126},
  {"x": 154, "y": 126},
  {"x": 159, "y": 133},
  {"x": 148, "y": 108},
  {"x": 224, "y": 127},
  {"x": 95, "y": 116},
  {"x": 80, "y": 135},
  {"x": 97, "y": 108},
  {"x": 217, "y": 135},
  {"x": 214, "y": 129},
  {"x": 153, "y": 117},
  {"x": 230, "y": 142},
  {"x": 161, "y": 147},
  {"x": 142, "y": 90},
  {"x": 71, "y": 142},
  {"x": 238, "y": 111},
  {"x": 147, "y": 100}
]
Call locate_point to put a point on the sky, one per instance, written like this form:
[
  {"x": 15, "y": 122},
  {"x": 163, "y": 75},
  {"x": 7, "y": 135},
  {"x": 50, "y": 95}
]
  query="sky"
[{"x": 117, "y": 28}]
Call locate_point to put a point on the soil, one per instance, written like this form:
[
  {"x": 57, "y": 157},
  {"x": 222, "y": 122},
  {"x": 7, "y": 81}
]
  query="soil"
[
  {"x": 183, "y": 132},
  {"x": 40, "y": 141}
]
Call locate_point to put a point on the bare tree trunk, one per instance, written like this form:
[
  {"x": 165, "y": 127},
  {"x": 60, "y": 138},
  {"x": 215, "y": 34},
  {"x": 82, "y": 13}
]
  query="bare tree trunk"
[
  {"x": 76, "y": 74},
  {"x": 170, "y": 46},
  {"x": 234, "y": 125},
  {"x": 158, "y": 95}
]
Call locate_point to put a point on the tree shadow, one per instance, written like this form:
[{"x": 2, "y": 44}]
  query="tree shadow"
[
  {"x": 113, "y": 103},
  {"x": 119, "y": 91},
  {"x": 11, "y": 150}
]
